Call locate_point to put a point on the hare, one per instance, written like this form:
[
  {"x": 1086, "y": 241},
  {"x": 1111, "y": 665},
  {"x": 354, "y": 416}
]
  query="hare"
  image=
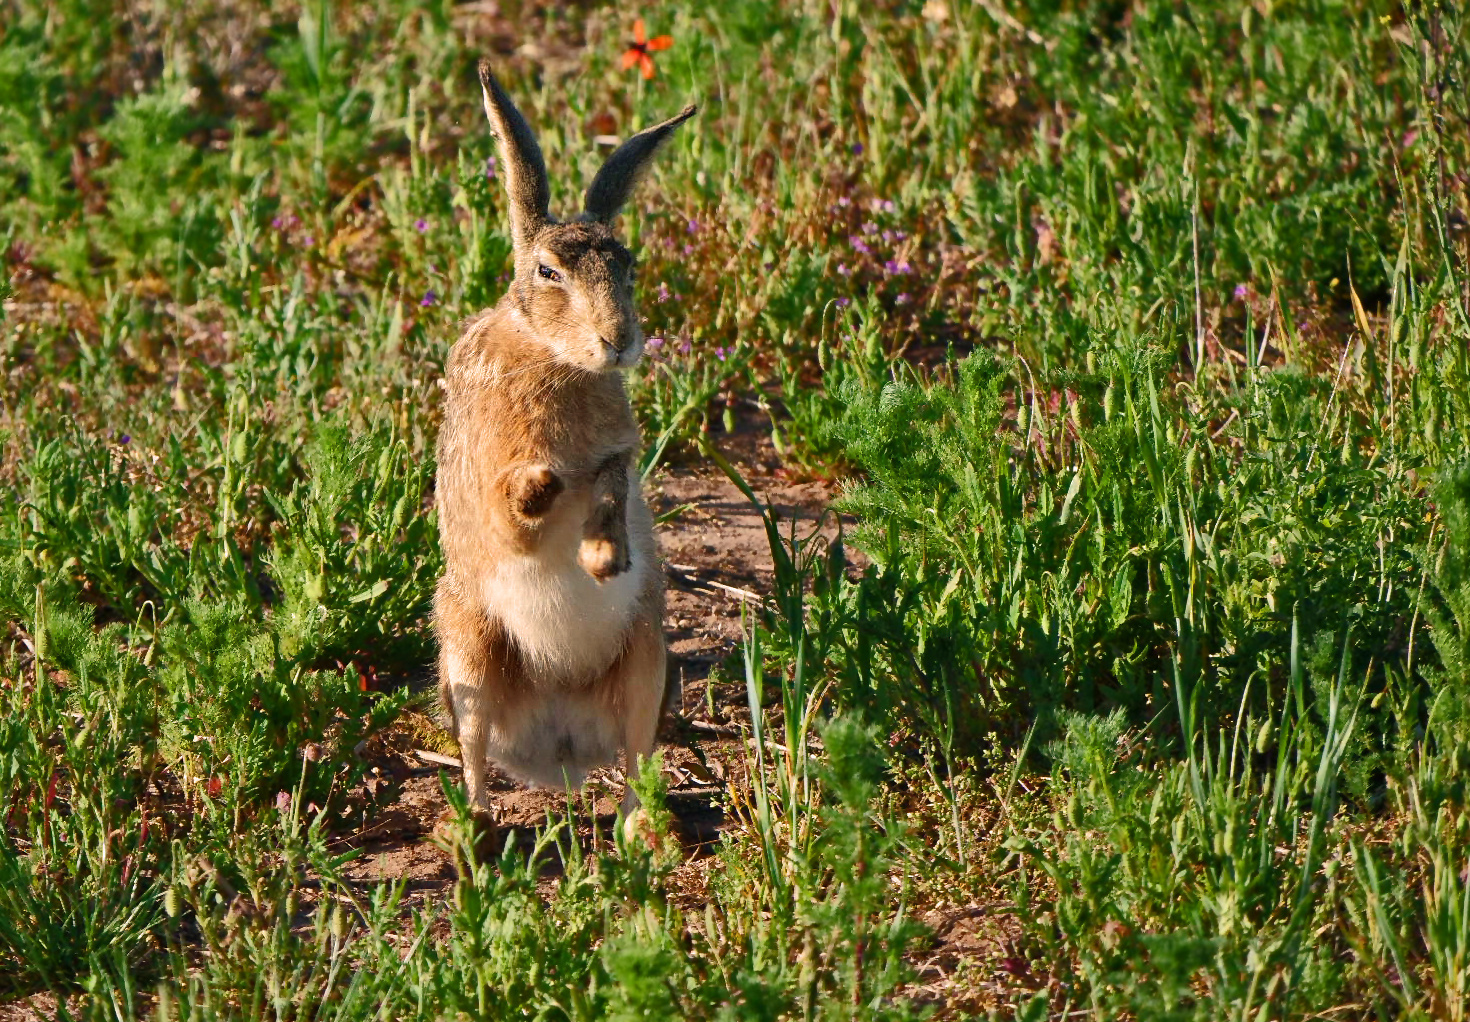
[{"x": 550, "y": 611}]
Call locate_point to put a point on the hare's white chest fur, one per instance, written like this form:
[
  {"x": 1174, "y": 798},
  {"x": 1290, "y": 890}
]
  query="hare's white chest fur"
[{"x": 566, "y": 625}]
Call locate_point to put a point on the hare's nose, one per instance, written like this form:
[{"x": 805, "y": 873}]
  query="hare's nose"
[{"x": 614, "y": 345}]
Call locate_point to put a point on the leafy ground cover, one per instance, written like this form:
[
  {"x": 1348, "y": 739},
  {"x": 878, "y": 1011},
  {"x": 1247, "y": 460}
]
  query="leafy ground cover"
[{"x": 1127, "y": 676}]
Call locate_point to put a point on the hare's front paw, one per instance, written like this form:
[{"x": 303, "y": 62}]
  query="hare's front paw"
[
  {"x": 602, "y": 557},
  {"x": 532, "y": 489}
]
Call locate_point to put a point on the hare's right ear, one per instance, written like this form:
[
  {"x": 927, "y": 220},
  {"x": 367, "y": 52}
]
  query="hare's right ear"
[
  {"x": 524, "y": 169},
  {"x": 629, "y": 162}
]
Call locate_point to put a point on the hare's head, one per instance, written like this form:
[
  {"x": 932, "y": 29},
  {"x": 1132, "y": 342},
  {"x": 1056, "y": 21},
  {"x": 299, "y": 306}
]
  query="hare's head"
[{"x": 573, "y": 281}]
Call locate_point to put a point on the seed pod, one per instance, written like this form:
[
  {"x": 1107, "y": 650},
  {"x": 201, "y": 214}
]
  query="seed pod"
[
  {"x": 1023, "y": 420},
  {"x": 172, "y": 904},
  {"x": 339, "y": 923},
  {"x": 1191, "y": 465},
  {"x": 1112, "y": 401},
  {"x": 239, "y": 447},
  {"x": 1263, "y": 737}
]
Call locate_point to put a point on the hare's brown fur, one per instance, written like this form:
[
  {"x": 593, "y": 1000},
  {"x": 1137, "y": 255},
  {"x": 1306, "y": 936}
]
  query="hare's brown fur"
[{"x": 550, "y": 611}]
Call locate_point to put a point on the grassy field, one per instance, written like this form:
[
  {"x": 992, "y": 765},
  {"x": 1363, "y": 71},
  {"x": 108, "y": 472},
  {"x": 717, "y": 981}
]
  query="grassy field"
[{"x": 1132, "y": 335}]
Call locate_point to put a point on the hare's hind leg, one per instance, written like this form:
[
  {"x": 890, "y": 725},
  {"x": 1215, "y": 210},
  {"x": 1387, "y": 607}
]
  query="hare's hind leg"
[
  {"x": 467, "y": 654},
  {"x": 641, "y": 673}
]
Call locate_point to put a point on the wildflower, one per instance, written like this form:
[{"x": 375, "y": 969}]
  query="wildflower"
[
  {"x": 685, "y": 346},
  {"x": 857, "y": 149},
  {"x": 490, "y": 166},
  {"x": 844, "y": 269},
  {"x": 843, "y": 303},
  {"x": 904, "y": 266},
  {"x": 663, "y": 293},
  {"x": 309, "y": 240},
  {"x": 283, "y": 801},
  {"x": 421, "y": 225},
  {"x": 429, "y": 298},
  {"x": 721, "y": 352},
  {"x": 641, "y": 49},
  {"x": 857, "y": 242},
  {"x": 123, "y": 438},
  {"x": 890, "y": 267},
  {"x": 653, "y": 344},
  {"x": 693, "y": 227},
  {"x": 869, "y": 227},
  {"x": 902, "y": 299},
  {"x": 844, "y": 201},
  {"x": 1242, "y": 290}
]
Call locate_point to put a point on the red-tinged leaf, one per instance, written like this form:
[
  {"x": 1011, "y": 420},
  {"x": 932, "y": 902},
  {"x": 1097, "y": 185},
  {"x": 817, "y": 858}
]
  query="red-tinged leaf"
[
  {"x": 51, "y": 790},
  {"x": 661, "y": 42},
  {"x": 215, "y": 786}
]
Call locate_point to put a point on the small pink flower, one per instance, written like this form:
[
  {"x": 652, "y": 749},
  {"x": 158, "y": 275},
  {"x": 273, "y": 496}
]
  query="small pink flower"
[
  {"x": 429, "y": 298},
  {"x": 421, "y": 225}
]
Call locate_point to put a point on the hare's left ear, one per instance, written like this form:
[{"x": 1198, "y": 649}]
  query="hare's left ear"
[{"x": 615, "y": 181}]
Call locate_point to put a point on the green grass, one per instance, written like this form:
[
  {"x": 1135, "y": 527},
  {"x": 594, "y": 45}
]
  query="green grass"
[{"x": 1136, "y": 333}]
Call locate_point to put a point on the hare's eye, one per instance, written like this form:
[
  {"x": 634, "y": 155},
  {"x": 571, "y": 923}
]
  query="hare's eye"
[{"x": 548, "y": 273}]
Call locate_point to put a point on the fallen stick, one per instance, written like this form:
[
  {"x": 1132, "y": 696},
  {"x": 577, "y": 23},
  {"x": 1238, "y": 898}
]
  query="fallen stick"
[{"x": 439, "y": 759}]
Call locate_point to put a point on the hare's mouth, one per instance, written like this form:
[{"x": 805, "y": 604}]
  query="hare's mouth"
[{"x": 620, "y": 354}]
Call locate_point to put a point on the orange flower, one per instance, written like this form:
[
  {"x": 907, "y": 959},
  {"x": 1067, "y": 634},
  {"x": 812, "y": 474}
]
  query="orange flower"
[{"x": 640, "y": 49}]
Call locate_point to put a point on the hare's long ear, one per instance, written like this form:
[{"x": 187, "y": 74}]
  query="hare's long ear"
[
  {"x": 524, "y": 170},
  {"x": 614, "y": 182}
]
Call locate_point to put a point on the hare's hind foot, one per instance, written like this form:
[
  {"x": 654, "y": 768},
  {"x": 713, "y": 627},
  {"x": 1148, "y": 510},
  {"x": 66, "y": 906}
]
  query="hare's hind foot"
[{"x": 481, "y": 840}]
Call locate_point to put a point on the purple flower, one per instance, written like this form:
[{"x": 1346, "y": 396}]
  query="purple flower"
[
  {"x": 283, "y": 801},
  {"x": 688, "y": 249},
  {"x": 904, "y": 266},
  {"x": 858, "y": 243},
  {"x": 309, "y": 240},
  {"x": 843, "y": 303},
  {"x": 844, "y": 269},
  {"x": 653, "y": 343},
  {"x": 869, "y": 227},
  {"x": 844, "y": 201},
  {"x": 890, "y": 267},
  {"x": 902, "y": 299},
  {"x": 421, "y": 225},
  {"x": 693, "y": 227},
  {"x": 663, "y": 293},
  {"x": 429, "y": 298},
  {"x": 857, "y": 149},
  {"x": 123, "y": 438},
  {"x": 685, "y": 346},
  {"x": 489, "y": 167},
  {"x": 1242, "y": 290},
  {"x": 720, "y": 353}
]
